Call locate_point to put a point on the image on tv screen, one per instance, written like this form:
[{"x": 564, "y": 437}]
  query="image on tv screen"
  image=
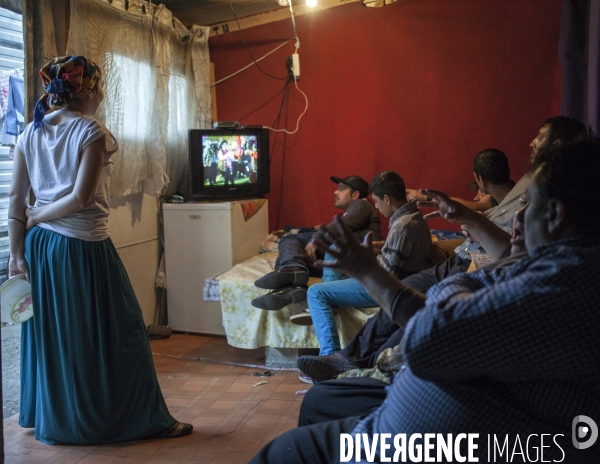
[{"x": 229, "y": 159}]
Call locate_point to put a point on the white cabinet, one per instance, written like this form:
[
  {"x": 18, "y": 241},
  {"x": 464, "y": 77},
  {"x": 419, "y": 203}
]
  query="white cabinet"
[{"x": 201, "y": 240}]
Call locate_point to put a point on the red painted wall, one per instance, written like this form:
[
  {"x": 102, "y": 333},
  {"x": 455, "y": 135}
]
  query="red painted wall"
[{"x": 419, "y": 87}]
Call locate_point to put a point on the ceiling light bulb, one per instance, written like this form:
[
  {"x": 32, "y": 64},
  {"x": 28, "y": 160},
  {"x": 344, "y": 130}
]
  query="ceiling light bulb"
[{"x": 311, "y": 3}]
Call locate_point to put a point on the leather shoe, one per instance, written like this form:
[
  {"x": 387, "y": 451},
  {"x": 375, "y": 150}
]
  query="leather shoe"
[
  {"x": 281, "y": 278},
  {"x": 321, "y": 368},
  {"x": 278, "y": 299}
]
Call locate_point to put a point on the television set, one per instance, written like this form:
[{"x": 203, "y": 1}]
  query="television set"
[{"x": 229, "y": 163}]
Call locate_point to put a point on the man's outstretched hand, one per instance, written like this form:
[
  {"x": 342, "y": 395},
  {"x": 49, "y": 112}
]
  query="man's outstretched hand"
[
  {"x": 349, "y": 255},
  {"x": 447, "y": 208}
]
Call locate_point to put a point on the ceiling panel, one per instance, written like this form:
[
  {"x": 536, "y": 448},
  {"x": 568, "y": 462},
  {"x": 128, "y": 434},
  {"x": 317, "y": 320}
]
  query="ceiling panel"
[{"x": 207, "y": 12}]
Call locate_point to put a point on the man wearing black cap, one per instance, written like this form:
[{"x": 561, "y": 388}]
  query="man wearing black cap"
[{"x": 297, "y": 252}]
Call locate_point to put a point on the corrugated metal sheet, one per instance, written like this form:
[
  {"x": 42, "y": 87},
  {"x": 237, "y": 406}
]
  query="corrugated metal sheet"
[
  {"x": 11, "y": 40},
  {"x": 11, "y": 57}
]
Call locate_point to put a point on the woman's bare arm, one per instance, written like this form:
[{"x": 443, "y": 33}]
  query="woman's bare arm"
[{"x": 19, "y": 189}]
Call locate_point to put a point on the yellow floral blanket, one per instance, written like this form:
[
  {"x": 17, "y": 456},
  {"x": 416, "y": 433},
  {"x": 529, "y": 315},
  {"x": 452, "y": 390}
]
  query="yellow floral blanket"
[{"x": 250, "y": 327}]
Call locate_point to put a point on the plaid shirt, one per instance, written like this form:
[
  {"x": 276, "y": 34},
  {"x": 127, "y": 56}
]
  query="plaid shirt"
[
  {"x": 519, "y": 356},
  {"x": 501, "y": 215},
  {"x": 408, "y": 243}
]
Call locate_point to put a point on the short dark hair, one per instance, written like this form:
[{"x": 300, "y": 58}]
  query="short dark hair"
[
  {"x": 388, "y": 183},
  {"x": 566, "y": 129},
  {"x": 492, "y": 164},
  {"x": 569, "y": 173}
]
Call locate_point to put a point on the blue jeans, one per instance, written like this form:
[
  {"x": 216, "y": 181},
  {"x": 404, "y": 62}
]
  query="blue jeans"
[
  {"x": 347, "y": 292},
  {"x": 331, "y": 274}
]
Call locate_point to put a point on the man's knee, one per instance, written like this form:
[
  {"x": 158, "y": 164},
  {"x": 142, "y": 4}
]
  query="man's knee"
[
  {"x": 314, "y": 292},
  {"x": 311, "y": 408}
]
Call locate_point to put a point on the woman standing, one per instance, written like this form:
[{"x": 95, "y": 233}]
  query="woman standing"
[{"x": 87, "y": 374}]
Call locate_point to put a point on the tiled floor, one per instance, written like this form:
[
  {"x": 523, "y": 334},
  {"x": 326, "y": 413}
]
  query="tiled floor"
[{"x": 232, "y": 418}]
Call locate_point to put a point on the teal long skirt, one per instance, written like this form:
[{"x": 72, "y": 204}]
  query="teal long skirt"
[{"x": 87, "y": 374}]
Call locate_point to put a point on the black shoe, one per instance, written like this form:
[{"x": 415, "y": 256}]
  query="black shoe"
[
  {"x": 281, "y": 278},
  {"x": 278, "y": 299},
  {"x": 321, "y": 368}
]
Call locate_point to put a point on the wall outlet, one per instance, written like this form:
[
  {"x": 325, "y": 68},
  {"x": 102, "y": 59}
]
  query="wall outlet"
[{"x": 293, "y": 65}]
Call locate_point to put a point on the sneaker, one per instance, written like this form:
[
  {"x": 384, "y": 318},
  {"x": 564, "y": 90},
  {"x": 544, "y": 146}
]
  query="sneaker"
[
  {"x": 303, "y": 318},
  {"x": 305, "y": 379},
  {"x": 278, "y": 299},
  {"x": 278, "y": 279},
  {"x": 320, "y": 368}
]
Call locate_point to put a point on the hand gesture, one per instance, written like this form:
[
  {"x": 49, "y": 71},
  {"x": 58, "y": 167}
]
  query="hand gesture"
[
  {"x": 350, "y": 256},
  {"x": 448, "y": 209},
  {"x": 413, "y": 194}
]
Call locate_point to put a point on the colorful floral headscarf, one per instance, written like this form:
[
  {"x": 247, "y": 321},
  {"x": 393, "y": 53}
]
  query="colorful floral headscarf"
[{"x": 65, "y": 78}]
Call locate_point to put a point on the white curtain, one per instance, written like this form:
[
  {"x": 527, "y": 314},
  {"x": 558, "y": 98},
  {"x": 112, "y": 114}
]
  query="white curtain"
[{"x": 157, "y": 86}]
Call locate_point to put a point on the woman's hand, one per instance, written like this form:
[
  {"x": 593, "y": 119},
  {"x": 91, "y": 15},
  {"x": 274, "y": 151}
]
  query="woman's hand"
[
  {"x": 18, "y": 265},
  {"x": 30, "y": 220},
  {"x": 350, "y": 256}
]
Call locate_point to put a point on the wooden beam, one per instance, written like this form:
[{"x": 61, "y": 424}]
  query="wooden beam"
[
  {"x": 33, "y": 35},
  {"x": 272, "y": 16},
  {"x": 62, "y": 23},
  {"x": 49, "y": 37},
  {"x": 213, "y": 93}
]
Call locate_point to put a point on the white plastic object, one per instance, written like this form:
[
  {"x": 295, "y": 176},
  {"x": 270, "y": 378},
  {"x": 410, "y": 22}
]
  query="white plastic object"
[
  {"x": 15, "y": 300},
  {"x": 296, "y": 65}
]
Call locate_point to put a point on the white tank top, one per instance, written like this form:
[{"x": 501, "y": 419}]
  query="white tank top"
[{"x": 53, "y": 154}]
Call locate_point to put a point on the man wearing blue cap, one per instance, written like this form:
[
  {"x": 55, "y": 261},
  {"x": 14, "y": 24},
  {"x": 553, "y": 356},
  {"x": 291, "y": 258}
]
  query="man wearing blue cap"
[{"x": 297, "y": 252}]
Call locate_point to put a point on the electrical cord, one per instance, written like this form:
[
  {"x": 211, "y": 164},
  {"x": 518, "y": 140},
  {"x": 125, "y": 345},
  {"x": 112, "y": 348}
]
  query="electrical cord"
[
  {"x": 265, "y": 103},
  {"x": 254, "y": 62},
  {"x": 248, "y": 50},
  {"x": 285, "y": 135},
  {"x": 297, "y": 45},
  {"x": 276, "y": 122},
  {"x": 299, "y": 117}
]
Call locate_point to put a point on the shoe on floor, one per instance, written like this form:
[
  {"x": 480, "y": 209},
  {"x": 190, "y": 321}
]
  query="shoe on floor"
[
  {"x": 320, "y": 368},
  {"x": 305, "y": 379},
  {"x": 303, "y": 318},
  {"x": 281, "y": 278},
  {"x": 278, "y": 299}
]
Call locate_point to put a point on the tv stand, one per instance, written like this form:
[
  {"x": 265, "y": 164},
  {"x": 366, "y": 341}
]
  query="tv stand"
[{"x": 202, "y": 240}]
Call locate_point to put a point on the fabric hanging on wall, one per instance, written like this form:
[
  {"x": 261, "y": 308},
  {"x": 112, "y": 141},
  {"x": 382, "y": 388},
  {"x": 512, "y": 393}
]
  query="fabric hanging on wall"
[
  {"x": 15, "y": 110},
  {"x": 6, "y": 139},
  {"x": 157, "y": 86},
  {"x": 579, "y": 53}
]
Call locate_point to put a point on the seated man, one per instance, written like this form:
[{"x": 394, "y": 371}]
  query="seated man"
[
  {"x": 404, "y": 252},
  {"x": 358, "y": 392},
  {"x": 510, "y": 355},
  {"x": 380, "y": 332},
  {"x": 481, "y": 202},
  {"x": 297, "y": 252}
]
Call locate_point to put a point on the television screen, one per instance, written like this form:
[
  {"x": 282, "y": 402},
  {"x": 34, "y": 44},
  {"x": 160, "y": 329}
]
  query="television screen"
[
  {"x": 229, "y": 163},
  {"x": 230, "y": 159}
]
